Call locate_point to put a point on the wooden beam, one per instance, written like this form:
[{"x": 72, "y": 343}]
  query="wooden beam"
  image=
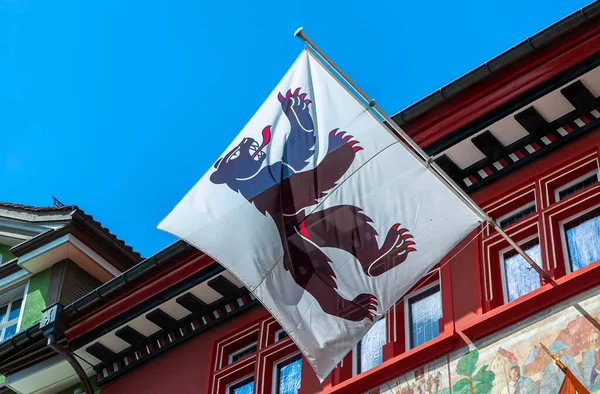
[
  {"x": 101, "y": 352},
  {"x": 450, "y": 167},
  {"x": 579, "y": 96},
  {"x": 161, "y": 319},
  {"x": 223, "y": 286},
  {"x": 130, "y": 336},
  {"x": 533, "y": 122},
  {"x": 192, "y": 303},
  {"x": 489, "y": 145}
]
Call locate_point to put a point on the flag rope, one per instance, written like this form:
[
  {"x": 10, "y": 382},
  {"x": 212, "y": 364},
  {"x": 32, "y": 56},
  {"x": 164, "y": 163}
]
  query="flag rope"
[{"x": 419, "y": 153}]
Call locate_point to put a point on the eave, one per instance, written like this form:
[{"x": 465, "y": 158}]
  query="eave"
[{"x": 521, "y": 68}]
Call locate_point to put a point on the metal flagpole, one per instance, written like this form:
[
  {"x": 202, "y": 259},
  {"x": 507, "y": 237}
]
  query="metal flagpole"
[{"x": 427, "y": 160}]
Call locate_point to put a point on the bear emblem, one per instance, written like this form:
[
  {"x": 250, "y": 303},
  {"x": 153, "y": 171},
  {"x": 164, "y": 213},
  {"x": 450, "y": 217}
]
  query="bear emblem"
[{"x": 285, "y": 188}]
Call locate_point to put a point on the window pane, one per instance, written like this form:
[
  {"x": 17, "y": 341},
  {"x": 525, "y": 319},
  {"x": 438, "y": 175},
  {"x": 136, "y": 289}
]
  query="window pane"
[
  {"x": 288, "y": 376},
  {"x": 3, "y": 310},
  {"x": 281, "y": 334},
  {"x": 520, "y": 277},
  {"x": 583, "y": 240},
  {"x": 15, "y": 309},
  {"x": 370, "y": 347},
  {"x": 425, "y": 311},
  {"x": 10, "y": 331},
  {"x": 240, "y": 354},
  {"x": 246, "y": 387}
]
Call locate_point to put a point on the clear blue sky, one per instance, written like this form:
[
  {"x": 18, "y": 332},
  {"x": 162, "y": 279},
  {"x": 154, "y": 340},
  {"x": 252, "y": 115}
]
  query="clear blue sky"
[{"x": 120, "y": 106}]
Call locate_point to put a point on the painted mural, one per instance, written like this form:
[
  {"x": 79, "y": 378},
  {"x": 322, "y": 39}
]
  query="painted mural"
[
  {"x": 429, "y": 379},
  {"x": 512, "y": 361}
]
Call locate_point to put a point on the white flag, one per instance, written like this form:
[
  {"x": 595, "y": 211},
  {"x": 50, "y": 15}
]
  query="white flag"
[{"x": 321, "y": 213}]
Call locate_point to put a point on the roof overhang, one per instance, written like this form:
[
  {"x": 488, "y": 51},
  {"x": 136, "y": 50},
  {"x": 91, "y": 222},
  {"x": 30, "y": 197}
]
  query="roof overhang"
[
  {"x": 67, "y": 246},
  {"x": 527, "y": 128},
  {"x": 509, "y": 75},
  {"x": 46, "y": 377}
]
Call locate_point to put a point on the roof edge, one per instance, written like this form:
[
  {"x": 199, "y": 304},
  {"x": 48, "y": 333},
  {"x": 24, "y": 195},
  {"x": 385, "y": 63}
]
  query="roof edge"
[{"x": 510, "y": 57}]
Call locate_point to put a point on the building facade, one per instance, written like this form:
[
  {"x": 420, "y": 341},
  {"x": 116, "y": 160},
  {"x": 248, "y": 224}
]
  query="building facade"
[
  {"x": 520, "y": 135},
  {"x": 48, "y": 255}
]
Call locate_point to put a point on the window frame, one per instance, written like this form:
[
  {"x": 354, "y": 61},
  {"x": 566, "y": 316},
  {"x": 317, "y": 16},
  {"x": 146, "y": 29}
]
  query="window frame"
[
  {"x": 356, "y": 349},
  {"x": 14, "y": 293},
  {"x": 575, "y": 181},
  {"x": 501, "y": 254},
  {"x": 517, "y": 210},
  {"x": 276, "y": 337},
  {"x": 291, "y": 358},
  {"x": 241, "y": 381},
  {"x": 407, "y": 322},
  {"x": 563, "y": 235},
  {"x": 231, "y": 355}
]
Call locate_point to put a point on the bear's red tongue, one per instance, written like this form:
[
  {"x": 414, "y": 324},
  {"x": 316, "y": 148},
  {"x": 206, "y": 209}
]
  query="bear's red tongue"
[{"x": 266, "y": 134}]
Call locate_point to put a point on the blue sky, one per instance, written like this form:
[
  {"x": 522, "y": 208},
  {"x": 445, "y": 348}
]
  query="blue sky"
[{"x": 120, "y": 106}]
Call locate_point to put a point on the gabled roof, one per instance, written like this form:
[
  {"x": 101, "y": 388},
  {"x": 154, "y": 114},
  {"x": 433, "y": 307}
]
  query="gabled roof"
[{"x": 61, "y": 215}]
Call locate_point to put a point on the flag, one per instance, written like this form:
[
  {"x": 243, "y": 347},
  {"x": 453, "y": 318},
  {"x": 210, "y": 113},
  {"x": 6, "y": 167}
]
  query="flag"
[
  {"x": 322, "y": 214},
  {"x": 568, "y": 386}
]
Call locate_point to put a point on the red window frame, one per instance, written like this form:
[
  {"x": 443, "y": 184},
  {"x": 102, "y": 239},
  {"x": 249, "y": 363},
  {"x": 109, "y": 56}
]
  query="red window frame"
[
  {"x": 260, "y": 364},
  {"x": 546, "y": 222}
]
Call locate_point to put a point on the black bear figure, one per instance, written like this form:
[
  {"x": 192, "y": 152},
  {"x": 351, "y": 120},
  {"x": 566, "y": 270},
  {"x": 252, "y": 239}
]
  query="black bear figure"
[{"x": 283, "y": 190}]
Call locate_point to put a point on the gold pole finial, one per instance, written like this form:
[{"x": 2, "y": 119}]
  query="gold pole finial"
[{"x": 556, "y": 360}]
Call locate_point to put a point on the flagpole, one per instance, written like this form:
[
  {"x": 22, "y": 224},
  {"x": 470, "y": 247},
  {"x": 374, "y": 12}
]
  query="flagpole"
[
  {"x": 427, "y": 160},
  {"x": 569, "y": 375}
]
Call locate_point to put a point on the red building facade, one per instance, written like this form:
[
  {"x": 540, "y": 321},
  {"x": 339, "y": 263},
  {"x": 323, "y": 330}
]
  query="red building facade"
[{"x": 519, "y": 134}]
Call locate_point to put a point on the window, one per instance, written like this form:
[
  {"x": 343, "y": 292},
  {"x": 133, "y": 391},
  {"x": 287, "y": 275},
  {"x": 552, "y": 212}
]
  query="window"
[
  {"x": 280, "y": 334},
  {"x": 287, "y": 376},
  {"x": 517, "y": 215},
  {"x": 368, "y": 352},
  {"x": 578, "y": 184},
  {"x": 246, "y": 386},
  {"x": 582, "y": 238},
  {"x": 243, "y": 352},
  {"x": 10, "y": 311},
  {"x": 424, "y": 310},
  {"x": 519, "y": 277}
]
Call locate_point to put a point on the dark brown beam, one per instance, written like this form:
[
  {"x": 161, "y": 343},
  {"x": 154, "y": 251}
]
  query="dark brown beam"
[
  {"x": 192, "y": 303},
  {"x": 533, "y": 122},
  {"x": 130, "y": 336},
  {"x": 489, "y": 145},
  {"x": 223, "y": 286},
  {"x": 101, "y": 352},
  {"x": 161, "y": 319},
  {"x": 579, "y": 96},
  {"x": 450, "y": 167}
]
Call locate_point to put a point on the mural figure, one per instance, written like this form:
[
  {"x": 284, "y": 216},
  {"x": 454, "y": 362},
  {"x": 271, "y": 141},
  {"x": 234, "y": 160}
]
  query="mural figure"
[
  {"x": 591, "y": 360},
  {"x": 553, "y": 376},
  {"x": 518, "y": 384},
  {"x": 501, "y": 364}
]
